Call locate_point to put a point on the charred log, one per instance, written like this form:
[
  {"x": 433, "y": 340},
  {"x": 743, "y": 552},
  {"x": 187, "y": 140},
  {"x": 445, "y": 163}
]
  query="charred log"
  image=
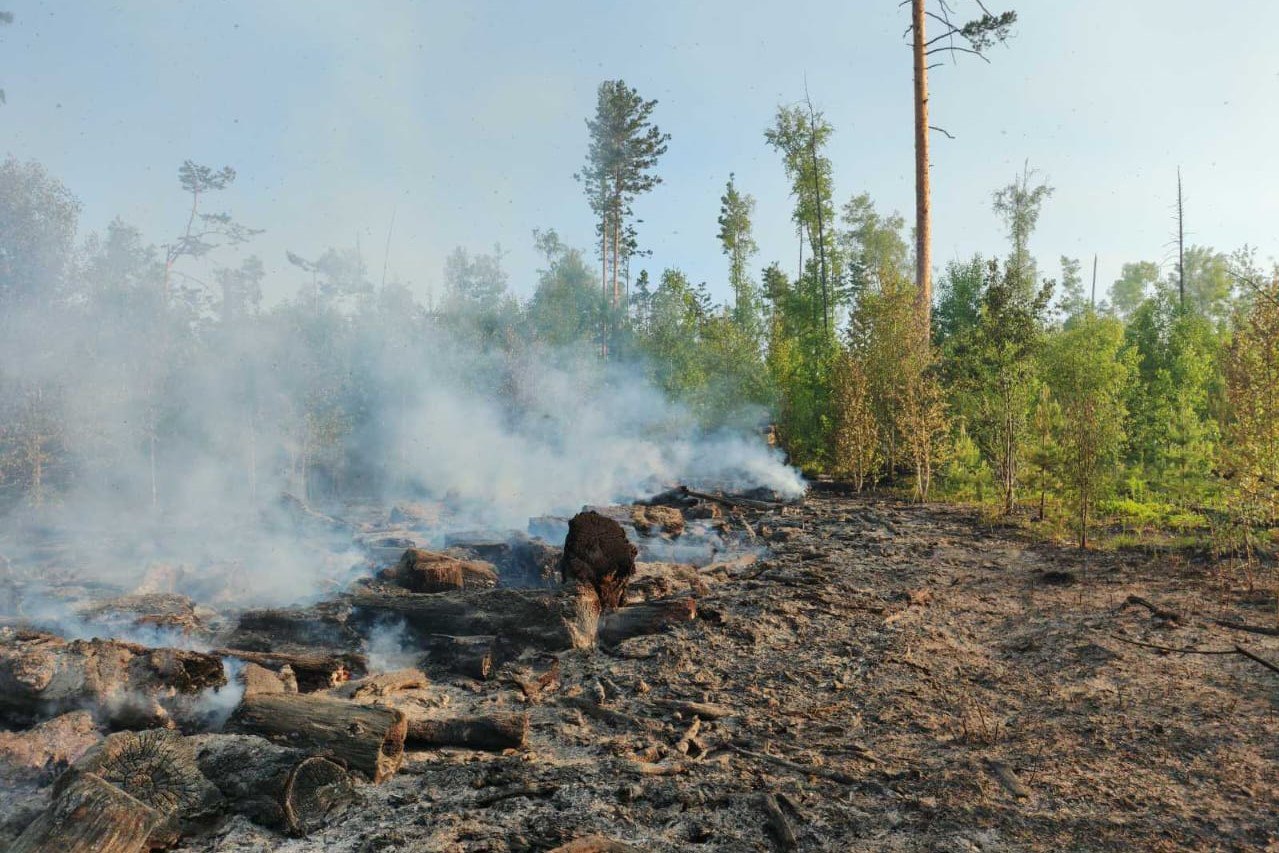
[
  {"x": 367, "y": 738},
  {"x": 651, "y": 617},
  {"x": 281, "y": 788},
  {"x": 537, "y": 619},
  {"x": 494, "y": 732},
  {"x": 310, "y": 672},
  {"x": 381, "y": 686},
  {"x": 473, "y": 657},
  {"x": 298, "y": 629},
  {"x": 155, "y": 767},
  {"x": 48, "y": 747},
  {"x": 598, "y": 554},
  {"x": 42, "y": 675}
]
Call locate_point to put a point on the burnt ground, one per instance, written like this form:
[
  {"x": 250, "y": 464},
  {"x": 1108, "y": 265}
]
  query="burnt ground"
[{"x": 930, "y": 685}]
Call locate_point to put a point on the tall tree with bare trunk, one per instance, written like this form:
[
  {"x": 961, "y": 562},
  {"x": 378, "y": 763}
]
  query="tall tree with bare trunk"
[{"x": 973, "y": 37}]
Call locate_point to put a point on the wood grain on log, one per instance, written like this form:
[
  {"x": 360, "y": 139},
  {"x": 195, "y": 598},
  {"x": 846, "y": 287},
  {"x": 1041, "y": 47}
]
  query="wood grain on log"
[
  {"x": 90, "y": 816},
  {"x": 369, "y": 738}
]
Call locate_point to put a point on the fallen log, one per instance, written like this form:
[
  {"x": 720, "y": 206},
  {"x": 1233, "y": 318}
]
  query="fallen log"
[
  {"x": 42, "y": 675},
  {"x": 650, "y": 617},
  {"x": 430, "y": 571},
  {"x": 165, "y": 611},
  {"x": 312, "y": 672},
  {"x": 369, "y": 738},
  {"x": 493, "y": 732},
  {"x": 470, "y": 656},
  {"x": 259, "y": 679},
  {"x": 90, "y": 816},
  {"x": 547, "y": 620},
  {"x": 1263, "y": 630},
  {"x": 309, "y": 630},
  {"x": 275, "y": 786},
  {"x": 654, "y": 520},
  {"x": 598, "y": 554}
]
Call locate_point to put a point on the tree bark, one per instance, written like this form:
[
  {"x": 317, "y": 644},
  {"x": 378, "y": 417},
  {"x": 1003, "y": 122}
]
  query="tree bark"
[
  {"x": 313, "y": 672},
  {"x": 277, "y": 787},
  {"x": 42, "y": 675},
  {"x": 494, "y": 732},
  {"x": 651, "y": 617},
  {"x": 90, "y": 816},
  {"x": 473, "y": 657},
  {"x": 923, "y": 195},
  {"x": 545, "y": 620},
  {"x": 369, "y": 738}
]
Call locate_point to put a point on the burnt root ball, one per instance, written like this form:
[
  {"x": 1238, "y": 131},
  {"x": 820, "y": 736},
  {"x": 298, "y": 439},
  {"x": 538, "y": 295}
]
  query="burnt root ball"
[{"x": 598, "y": 554}]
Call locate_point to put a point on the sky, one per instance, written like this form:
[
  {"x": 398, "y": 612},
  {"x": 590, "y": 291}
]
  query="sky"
[{"x": 446, "y": 124}]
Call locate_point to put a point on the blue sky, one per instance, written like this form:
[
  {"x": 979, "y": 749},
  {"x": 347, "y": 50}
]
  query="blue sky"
[{"x": 466, "y": 120}]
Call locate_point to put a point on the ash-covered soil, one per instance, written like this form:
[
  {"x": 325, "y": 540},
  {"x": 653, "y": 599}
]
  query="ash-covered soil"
[{"x": 890, "y": 677}]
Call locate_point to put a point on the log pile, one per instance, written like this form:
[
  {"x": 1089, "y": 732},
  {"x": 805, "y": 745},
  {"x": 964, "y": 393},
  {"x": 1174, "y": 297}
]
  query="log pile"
[{"x": 307, "y": 720}]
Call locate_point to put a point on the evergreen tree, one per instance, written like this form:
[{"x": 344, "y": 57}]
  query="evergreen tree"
[{"x": 736, "y": 238}]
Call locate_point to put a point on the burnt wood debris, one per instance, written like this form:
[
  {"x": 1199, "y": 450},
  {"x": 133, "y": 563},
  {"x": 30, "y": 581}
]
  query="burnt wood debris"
[{"x": 698, "y": 671}]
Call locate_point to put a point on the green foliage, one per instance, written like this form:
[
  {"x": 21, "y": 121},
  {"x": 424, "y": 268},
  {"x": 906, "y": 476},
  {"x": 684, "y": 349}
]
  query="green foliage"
[
  {"x": 1019, "y": 205},
  {"x": 735, "y": 235},
  {"x": 1132, "y": 287},
  {"x": 992, "y": 369},
  {"x": 1088, "y": 375}
]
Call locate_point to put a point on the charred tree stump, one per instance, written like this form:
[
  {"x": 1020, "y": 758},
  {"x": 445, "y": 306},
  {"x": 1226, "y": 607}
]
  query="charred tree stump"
[
  {"x": 473, "y": 657},
  {"x": 540, "y": 619},
  {"x": 90, "y": 816},
  {"x": 598, "y": 554},
  {"x": 312, "y": 672},
  {"x": 650, "y": 617},
  {"x": 156, "y": 767},
  {"x": 368, "y": 738},
  {"x": 494, "y": 732},
  {"x": 275, "y": 786}
]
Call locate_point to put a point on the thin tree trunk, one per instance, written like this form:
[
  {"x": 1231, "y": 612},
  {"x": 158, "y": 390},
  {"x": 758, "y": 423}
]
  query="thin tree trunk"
[{"x": 923, "y": 198}]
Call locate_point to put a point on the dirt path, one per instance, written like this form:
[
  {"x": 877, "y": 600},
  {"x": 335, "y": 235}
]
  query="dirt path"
[{"x": 944, "y": 693}]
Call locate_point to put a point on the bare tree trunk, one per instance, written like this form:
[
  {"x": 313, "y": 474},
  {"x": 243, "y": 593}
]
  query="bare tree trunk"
[
  {"x": 617, "y": 220},
  {"x": 923, "y": 197},
  {"x": 821, "y": 237}
]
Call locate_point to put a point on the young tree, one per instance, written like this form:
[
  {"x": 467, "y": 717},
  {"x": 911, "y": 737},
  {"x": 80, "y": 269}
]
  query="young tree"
[
  {"x": 873, "y": 244},
  {"x": 973, "y": 37},
  {"x": 800, "y": 135},
  {"x": 1251, "y": 450},
  {"x": 5, "y": 19},
  {"x": 624, "y": 149},
  {"x": 1132, "y": 287},
  {"x": 855, "y": 453},
  {"x": 738, "y": 242},
  {"x": 565, "y": 309},
  {"x": 1088, "y": 376},
  {"x": 992, "y": 365}
]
